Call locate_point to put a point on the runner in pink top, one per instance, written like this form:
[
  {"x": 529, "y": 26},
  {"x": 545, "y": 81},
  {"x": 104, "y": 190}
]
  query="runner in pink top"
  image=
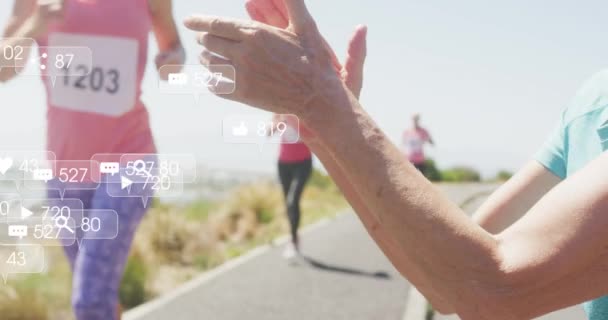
[
  {"x": 99, "y": 111},
  {"x": 83, "y": 120},
  {"x": 295, "y": 168},
  {"x": 293, "y": 152},
  {"x": 414, "y": 140}
]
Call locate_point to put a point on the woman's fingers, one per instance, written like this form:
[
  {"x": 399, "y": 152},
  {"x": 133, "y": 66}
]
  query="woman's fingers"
[
  {"x": 223, "y": 85},
  {"x": 355, "y": 61},
  {"x": 276, "y": 68},
  {"x": 267, "y": 12},
  {"x": 300, "y": 17},
  {"x": 253, "y": 11},
  {"x": 280, "y": 5},
  {"x": 215, "y": 63},
  {"x": 231, "y": 29},
  {"x": 221, "y": 46}
]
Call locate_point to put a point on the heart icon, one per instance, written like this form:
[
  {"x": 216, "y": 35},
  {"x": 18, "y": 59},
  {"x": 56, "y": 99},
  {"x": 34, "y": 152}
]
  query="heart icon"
[{"x": 5, "y": 164}]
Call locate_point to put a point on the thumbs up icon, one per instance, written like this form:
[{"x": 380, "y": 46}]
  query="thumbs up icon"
[{"x": 241, "y": 130}]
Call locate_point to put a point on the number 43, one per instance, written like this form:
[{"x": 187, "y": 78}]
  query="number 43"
[{"x": 17, "y": 259}]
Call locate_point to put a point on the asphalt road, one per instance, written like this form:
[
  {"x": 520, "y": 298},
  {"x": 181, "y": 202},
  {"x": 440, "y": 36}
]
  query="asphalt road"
[{"x": 347, "y": 278}]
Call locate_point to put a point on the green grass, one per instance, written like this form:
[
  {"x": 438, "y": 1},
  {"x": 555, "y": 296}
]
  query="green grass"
[
  {"x": 133, "y": 287},
  {"x": 199, "y": 210}
]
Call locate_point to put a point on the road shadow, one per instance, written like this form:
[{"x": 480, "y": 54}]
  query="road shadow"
[{"x": 323, "y": 266}]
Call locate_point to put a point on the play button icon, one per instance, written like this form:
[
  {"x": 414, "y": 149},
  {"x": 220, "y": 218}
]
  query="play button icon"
[
  {"x": 25, "y": 213},
  {"x": 125, "y": 182}
]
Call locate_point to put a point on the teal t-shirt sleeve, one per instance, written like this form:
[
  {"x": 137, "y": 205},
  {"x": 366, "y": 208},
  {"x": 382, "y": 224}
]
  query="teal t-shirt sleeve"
[{"x": 553, "y": 153}]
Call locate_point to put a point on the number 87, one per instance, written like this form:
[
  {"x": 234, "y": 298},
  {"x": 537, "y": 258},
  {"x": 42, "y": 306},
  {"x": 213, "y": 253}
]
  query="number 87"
[{"x": 60, "y": 60}]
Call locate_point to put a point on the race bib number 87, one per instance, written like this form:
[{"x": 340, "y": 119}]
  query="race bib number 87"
[{"x": 108, "y": 86}]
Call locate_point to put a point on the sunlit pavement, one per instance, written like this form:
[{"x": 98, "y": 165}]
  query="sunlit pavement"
[{"x": 346, "y": 277}]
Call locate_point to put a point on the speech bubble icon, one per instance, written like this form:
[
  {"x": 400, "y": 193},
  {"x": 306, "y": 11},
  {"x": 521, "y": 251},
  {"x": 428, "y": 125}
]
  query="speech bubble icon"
[
  {"x": 43, "y": 175},
  {"x": 109, "y": 167},
  {"x": 17, "y": 231},
  {"x": 197, "y": 80},
  {"x": 260, "y": 129},
  {"x": 178, "y": 79}
]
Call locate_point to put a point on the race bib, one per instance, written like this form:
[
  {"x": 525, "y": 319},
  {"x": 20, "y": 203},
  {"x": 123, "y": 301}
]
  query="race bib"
[
  {"x": 108, "y": 86},
  {"x": 414, "y": 146}
]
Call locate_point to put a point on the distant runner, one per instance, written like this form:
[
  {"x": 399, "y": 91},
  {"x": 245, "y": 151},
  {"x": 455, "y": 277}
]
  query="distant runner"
[
  {"x": 552, "y": 250},
  {"x": 295, "y": 168},
  {"x": 414, "y": 140}
]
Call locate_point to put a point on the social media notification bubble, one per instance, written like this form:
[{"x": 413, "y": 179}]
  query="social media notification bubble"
[
  {"x": 55, "y": 61},
  {"x": 66, "y": 175},
  {"x": 261, "y": 129},
  {"x": 181, "y": 167},
  {"x": 21, "y": 259},
  {"x": 196, "y": 80},
  {"x": 144, "y": 184},
  {"x": 98, "y": 224},
  {"x": 26, "y": 165},
  {"x": 50, "y": 222},
  {"x": 16, "y": 51}
]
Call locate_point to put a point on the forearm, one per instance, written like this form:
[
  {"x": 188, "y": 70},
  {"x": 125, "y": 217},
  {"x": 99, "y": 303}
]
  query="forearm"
[
  {"x": 446, "y": 245},
  {"x": 163, "y": 25},
  {"x": 370, "y": 221},
  {"x": 513, "y": 199},
  {"x": 538, "y": 265}
]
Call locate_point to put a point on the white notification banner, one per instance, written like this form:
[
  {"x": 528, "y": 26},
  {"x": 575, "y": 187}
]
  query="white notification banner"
[
  {"x": 15, "y": 51},
  {"x": 26, "y": 165},
  {"x": 21, "y": 259},
  {"x": 50, "y": 222},
  {"x": 197, "y": 80},
  {"x": 66, "y": 175},
  {"x": 97, "y": 224},
  {"x": 56, "y": 62},
  {"x": 261, "y": 129}
]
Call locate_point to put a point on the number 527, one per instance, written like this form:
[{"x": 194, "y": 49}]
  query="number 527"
[{"x": 207, "y": 79}]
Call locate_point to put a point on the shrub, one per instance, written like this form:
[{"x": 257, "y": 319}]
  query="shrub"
[
  {"x": 460, "y": 174},
  {"x": 164, "y": 235},
  {"x": 503, "y": 175},
  {"x": 320, "y": 180},
  {"x": 133, "y": 286},
  {"x": 431, "y": 171},
  {"x": 247, "y": 209},
  {"x": 199, "y": 210},
  {"x": 22, "y": 303}
]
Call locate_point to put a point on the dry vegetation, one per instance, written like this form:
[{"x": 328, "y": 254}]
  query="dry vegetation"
[{"x": 174, "y": 244}]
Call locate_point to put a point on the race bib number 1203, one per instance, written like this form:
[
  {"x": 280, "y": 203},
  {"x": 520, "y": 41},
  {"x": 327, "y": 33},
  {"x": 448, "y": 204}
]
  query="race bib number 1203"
[{"x": 108, "y": 86}]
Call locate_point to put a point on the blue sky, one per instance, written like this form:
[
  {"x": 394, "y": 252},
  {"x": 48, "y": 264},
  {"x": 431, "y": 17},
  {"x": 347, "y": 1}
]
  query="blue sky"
[{"x": 489, "y": 78}]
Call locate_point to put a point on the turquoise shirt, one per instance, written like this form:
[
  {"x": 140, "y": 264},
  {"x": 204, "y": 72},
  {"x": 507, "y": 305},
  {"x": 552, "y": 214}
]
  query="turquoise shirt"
[{"x": 581, "y": 136}]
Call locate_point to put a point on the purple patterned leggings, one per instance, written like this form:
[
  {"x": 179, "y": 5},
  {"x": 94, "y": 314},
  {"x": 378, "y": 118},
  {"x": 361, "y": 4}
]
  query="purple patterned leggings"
[{"x": 98, "y": 265}]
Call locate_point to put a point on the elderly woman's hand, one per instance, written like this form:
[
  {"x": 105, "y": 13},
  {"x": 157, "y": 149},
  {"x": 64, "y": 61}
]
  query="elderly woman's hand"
[
  {"x": 280, "y": 70},
  {"x": 274, "y": 13}
]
